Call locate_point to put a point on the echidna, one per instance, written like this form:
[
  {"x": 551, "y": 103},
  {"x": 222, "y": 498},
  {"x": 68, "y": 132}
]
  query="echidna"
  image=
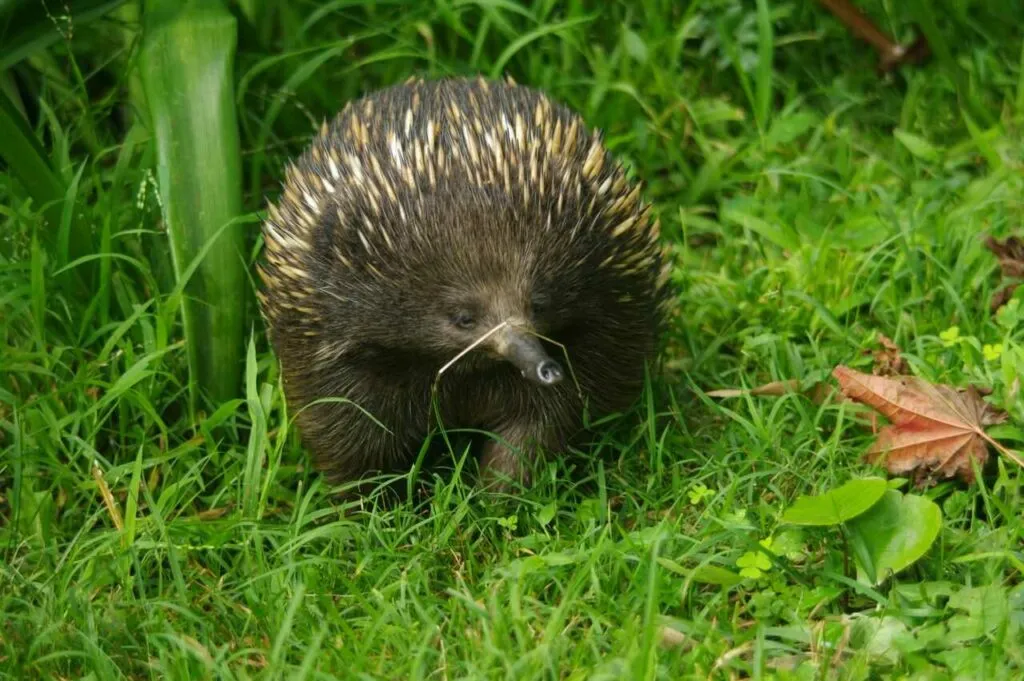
[{"x": 465, "y": 220}]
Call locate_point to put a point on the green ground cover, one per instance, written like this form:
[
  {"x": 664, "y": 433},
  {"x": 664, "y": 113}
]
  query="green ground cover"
[{"x": 811, "y": 205}]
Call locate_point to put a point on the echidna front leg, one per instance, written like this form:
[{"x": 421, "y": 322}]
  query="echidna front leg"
[{"x": 508, "y": 460}]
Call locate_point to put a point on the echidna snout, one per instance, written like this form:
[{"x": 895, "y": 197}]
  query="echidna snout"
[
  {"x": 526, "y": 353},
  {"x": 549, "y": 372}
]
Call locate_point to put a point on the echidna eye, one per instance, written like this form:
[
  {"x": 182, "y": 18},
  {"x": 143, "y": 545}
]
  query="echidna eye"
[
  {"x": 539, "y": 303},
  {"x": 464, "y": 319}
]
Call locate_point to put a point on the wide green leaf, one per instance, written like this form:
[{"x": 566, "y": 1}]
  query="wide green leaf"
[
  {"x": 917, "y": 145},
  {"x": 187, "y": 72},
  {"x": 893, "y": 534},
  {"x": 836, "y": 506}
]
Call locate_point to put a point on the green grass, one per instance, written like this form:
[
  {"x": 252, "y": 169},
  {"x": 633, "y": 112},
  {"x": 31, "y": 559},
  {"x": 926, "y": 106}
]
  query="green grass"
[{"x": 811, "y": 205}]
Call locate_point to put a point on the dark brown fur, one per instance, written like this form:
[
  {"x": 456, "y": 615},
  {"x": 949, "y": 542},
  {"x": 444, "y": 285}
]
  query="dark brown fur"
[{"x": 426, "y": 219}]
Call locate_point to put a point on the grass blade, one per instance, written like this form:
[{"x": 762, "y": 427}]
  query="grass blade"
[
  {"x": 765, "y": 70},
  {"x": 924, "y": 14},
  {"x": 27, "y": 26},
  {"x": 27, "y": 160},
  {"x": 187, "y": 71}
]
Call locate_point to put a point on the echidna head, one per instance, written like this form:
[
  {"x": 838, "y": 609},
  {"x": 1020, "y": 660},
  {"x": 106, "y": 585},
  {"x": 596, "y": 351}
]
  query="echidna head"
[{"x": 499, "y": 320}]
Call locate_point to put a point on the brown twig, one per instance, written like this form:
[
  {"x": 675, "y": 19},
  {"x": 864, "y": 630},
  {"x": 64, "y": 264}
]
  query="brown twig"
[{"x": 891, "y": 55}]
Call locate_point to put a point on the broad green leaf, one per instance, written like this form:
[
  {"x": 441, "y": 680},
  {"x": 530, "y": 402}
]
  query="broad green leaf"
[
  {"x": 918, "y": 146},
  {"x": 753, "y": 564},
  {"x": 187, "y": 71},
  {"x": 547, "y": 513},
  {"x": 781, "y": 235},
  {"x": 1007, "y": 431},
  {"x": 987, "y": 608},
  {"x": 893, "y": 534},
  {"x": 222, "y": 414},
  {"x": 634, "y": 45},
  {"x": 787, "y": 128},
  {"x": 983, "y": 611},
  {"x": 705, "y": 574},
  {"x": 882, "y": 638},
  {"x": 563, "y": 558},
  {"x": 836, "y": 506},
  {"x": 709, "y": 112},
  {"x": 789, "y": 543},
  {"x": 929, "y": 593},
  {"x": 712, "y": 574}
]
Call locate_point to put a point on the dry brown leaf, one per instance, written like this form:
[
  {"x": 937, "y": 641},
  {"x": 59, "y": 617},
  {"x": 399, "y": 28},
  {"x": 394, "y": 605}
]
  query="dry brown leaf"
[
  {"x": 1011, "y": 262},
  {"x": 816, "y": 392},
  {"x": 888, "y": 360},
  {"x": 702, "y": 239},
  {"x": 775, "y": 388},
  {"x": 213, "y": 513},
  {"x": 673, "y": 638},
  {"x": 934, "y": 429},
  {"x": 1010, "y": 253},
  {"x": 1002, "y": 296}
]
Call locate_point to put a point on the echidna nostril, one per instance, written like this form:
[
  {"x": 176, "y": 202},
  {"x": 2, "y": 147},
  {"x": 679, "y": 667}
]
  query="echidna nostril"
[{"x": 549, "y": 372}]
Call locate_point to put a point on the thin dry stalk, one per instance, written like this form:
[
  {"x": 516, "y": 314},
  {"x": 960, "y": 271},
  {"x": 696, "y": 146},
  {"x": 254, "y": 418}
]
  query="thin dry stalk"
[
  {"x": 891, "y": 55},
  {"x": 108, "y": 497}
]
